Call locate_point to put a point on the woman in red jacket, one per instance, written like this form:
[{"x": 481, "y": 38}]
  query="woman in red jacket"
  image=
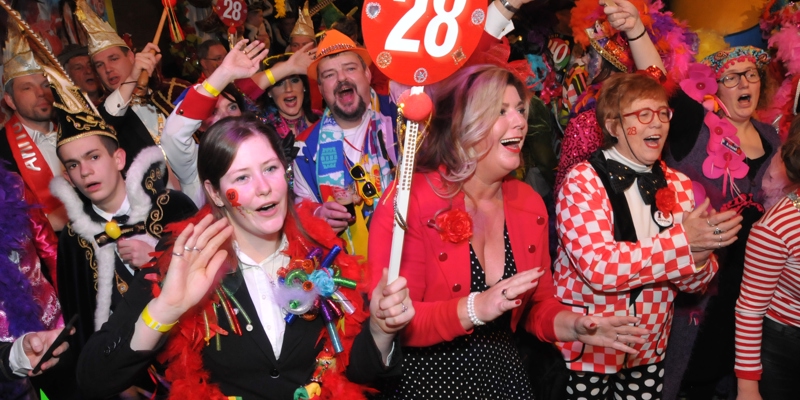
[{"x": 475, "y": 253}]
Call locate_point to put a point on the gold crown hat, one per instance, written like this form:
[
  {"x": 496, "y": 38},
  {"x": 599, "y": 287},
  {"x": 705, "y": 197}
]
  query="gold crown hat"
[
  {"x": 101, "y": 35},
  {"x": 304, "y": 26},
  {"x": 18, "y": 59}
]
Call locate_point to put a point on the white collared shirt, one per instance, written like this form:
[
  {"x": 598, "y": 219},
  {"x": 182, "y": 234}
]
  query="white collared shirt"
[
  {"x": 46, "y": 142},
  {"x": 147, "y": 113},
  {"x": 261, "y": 278}
]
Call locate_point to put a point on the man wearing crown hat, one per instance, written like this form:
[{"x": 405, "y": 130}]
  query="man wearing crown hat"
[
  {"x": 351, "y": 152},
  {"x": 303, "y": 32},
  {"x": 114, "y": 223},
  {"x": 138, "y": 121},
  {"x": 28, "y": 143}
]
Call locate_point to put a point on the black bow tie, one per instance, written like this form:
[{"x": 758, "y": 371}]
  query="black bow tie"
[
  {"x": 121, "y": 219},
  {"x": 622, "y": 177}
]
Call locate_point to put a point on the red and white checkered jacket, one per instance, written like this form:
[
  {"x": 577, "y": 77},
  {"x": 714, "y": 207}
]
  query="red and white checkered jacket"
[{"x": 595, "y": 274}]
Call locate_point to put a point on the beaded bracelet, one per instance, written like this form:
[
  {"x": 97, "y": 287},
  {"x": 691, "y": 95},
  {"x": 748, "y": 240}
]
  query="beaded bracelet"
[
  {"x": 211, "y": 90},
  {"x": 471, "y": 310},
  {"x": 271, "y": 77},
  {"x": 153, "y": 324}
]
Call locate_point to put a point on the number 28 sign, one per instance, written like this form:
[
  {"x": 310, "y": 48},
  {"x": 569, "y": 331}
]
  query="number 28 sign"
[
  {"x": 420, "y": 42},
  {"x": 231, "y": 12}
]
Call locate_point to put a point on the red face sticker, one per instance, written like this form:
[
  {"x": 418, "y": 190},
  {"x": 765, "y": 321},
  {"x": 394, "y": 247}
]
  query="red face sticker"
[
  {"x": 233, "y": 197},
  {"x": 632, "y": 131}
]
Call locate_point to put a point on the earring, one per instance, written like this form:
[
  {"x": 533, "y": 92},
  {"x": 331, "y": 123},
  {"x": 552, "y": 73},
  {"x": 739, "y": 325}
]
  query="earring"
[
  {"x": 289, "y": 175},
  {"x": 219, "y": 204}
]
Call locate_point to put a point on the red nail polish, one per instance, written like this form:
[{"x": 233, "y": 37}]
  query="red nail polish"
[
  {"x": 518, "y": 302},
  {"x": 592, "y": 325},
  {"x": 535, "y": 280}
]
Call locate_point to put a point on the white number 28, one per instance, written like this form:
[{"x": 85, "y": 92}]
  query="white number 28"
[{"x": 397, "y": 41}]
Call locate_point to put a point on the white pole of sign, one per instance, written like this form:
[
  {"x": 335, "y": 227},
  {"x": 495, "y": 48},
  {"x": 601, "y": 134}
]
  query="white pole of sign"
[{"x": 402, "y": 191}]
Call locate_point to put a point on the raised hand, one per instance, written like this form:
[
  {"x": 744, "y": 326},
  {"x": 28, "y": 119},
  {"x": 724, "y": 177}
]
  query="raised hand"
[
  {"x": 243, "y": 60},
  {"x": 623, "y": 16},
  {"x": 145, "y": 60},
  {"x": 301, "y": 59},
  {"x": 193, "y": 270},
  {"x": 503, "y": 296}
]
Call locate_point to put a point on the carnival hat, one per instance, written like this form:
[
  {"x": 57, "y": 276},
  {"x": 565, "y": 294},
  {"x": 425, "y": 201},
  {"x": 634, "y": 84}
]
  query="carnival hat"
[
  {"x": 18, "y": 59},
  {"x": 724, "y": 59},
  {"x": 101, "y": 35},
  {"x": 613, "y": 48},
  {"x": 72, "y": 51},
  {"x": 304, "y": 26},
  {"x": 336, "y": 42}
]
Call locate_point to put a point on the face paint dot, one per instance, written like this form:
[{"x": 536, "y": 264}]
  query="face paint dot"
[{"x": 233, "y": 197}]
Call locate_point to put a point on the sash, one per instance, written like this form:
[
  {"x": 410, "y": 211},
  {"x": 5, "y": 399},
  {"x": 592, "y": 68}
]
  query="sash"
[{"x": 31, "y": 163}]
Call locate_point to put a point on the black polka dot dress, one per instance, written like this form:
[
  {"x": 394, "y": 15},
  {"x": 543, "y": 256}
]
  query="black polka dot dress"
[{"x": 483, "y": 365}]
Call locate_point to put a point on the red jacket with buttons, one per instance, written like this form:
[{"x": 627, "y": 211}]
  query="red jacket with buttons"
[{"x": 438, "y": 272}]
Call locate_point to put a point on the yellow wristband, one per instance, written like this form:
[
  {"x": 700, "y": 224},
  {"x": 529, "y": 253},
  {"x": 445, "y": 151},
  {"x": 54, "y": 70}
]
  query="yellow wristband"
[
  {"x": 271, "y": 77},
  {"x": 153, "y": 324},
  {"x": 212, "y": 90}
]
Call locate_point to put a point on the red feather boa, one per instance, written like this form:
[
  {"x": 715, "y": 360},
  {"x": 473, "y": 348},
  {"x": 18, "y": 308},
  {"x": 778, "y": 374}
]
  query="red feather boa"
[{"x": 182, "y": 354}]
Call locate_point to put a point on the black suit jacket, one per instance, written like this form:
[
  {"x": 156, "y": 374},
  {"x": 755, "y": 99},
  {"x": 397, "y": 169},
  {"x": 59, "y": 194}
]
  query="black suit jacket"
[{"x": 246, "y": 365}]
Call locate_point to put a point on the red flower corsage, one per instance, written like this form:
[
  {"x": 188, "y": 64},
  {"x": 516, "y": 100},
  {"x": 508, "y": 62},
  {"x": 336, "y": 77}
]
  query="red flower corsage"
[
  {"x": 665, "y": 200},
  {"x": 454, "y": 226}
]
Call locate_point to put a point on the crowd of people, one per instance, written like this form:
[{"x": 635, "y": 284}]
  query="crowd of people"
[{"x": 227, "y": 235}]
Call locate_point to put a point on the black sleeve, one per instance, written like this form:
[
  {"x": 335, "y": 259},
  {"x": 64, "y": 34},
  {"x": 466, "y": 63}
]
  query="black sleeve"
[
  {"x": 5, "y": 352},
  {"x": 107, "y": 365},
  {"x": 687, "y": 120},
  {"x": 366, "y": 365}
]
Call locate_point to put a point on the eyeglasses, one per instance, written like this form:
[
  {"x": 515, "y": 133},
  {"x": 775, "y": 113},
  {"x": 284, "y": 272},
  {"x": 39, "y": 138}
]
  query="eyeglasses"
[
  {"x": 283, "y": 84},
  {"x": 215, "y": 59},
  {"x": 367, "y": 189},
  {"x": 646, "y": 115},
  {"x": 733, "y": 79}
]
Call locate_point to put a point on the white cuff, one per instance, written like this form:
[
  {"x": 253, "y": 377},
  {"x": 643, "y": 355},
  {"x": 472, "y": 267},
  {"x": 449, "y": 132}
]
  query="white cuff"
[
  {"x": 17, "y": 360},
  {"x": 496, "y": 24},
  {"x": 115, "y": 105}
]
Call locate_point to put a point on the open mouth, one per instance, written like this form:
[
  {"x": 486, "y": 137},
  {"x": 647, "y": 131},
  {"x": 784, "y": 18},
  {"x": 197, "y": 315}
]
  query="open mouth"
[
  {"x": 744, "y": 100},
  {"x": 266, "y": 208},
  {"x": 94, "y": 186},
  {"x": 346, "y": 93},
  {"x": 290, "y": 101},
  {"x": 652, "y": 141},
  {"x": 512, "y": 144},
  {"x": 113, "y": 80}
]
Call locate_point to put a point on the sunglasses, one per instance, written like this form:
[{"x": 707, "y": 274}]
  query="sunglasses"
[{"x": 366, "y": 189}]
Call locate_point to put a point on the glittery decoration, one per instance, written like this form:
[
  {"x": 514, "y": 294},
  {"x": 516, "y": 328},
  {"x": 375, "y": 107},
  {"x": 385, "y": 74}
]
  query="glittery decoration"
[
  {"x": 373, "y": 9},
  {"x": 421, "y": 75},
  {"x": 459, "y": 56},
  {"x": 478, "y": 16},
  {"x": 384, "y": 59}
]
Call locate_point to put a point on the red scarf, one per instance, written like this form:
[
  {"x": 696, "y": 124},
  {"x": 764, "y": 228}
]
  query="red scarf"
[{"x": 31, "y": 163}]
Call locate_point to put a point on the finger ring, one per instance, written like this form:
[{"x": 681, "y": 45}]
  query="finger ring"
[
  {"x": 177, "y": 254},
  {"x": 708, "y": 221},
  {"x": 197, "y": 249},
  {"x": 187, "y": 248},
  {"x": 719, "y": 245},
  {"x": 504, "y": 294},
  {"x": 616, "y": 339},
  {"x": 404, "y": 307},
  {"x": 720, "y": 238},
  {"x": 717, "y": 231}
]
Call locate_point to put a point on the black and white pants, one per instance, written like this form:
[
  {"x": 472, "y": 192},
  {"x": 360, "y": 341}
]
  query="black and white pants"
[{"x": 644, "y": 382}]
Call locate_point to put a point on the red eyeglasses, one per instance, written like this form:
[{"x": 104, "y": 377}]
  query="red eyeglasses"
[{"x": 646, "y": 115}]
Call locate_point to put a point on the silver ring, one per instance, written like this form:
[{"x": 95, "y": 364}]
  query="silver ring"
[
  {"x": 616, "y": 339},
  {"x": 504, "y": 294},
  {"x": 708, "y": 221},
  {"x": 197, "y": 249},
  {"x": 177, "y": 254},
  {"x": 720, "y": 239},
  {"x": 404, "y": 307},
  {"x": 187, "y": 248},
  {"x": 719, "y": 245},
  {"x": 717, "y": 231}
]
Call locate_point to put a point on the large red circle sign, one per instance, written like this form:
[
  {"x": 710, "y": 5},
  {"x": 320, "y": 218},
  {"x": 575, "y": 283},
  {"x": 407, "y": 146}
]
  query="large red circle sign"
[
  {"x": 231, "y": 12},
  {"x": 420, "y": 42}
]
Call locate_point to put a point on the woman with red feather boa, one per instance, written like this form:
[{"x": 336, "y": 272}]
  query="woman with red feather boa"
[{"x": 288, "y": 326}]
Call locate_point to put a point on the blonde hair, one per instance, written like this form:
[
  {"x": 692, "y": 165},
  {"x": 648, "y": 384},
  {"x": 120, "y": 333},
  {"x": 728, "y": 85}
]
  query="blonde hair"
[{"x": 466, "y": 107}]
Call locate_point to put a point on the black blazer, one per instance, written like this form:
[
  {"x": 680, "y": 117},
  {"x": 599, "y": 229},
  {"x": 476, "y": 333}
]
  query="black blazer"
[{"x": 246, "y": 365}]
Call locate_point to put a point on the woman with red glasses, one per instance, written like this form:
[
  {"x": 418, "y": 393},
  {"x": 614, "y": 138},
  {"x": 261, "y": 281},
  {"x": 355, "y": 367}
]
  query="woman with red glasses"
[{"x": 630, "y": 240}]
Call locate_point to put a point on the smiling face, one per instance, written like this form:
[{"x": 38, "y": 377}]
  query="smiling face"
[
  {"x": 288, "y": 95},
  {"x": 637, "y": 141},
  {"x": 93, "y": 166},
  {"x": 504, "y": 142},
  {"x": 344, "y": 83},
  {"x": 742, "y": 99},
  {"x": 254, "y": 191},
  {"x": 113, "y": 66}
]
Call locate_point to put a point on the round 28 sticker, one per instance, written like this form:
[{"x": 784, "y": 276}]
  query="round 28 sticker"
[
  {"x": 420, "y": 42},
  {"x": 232, "y": 13}
]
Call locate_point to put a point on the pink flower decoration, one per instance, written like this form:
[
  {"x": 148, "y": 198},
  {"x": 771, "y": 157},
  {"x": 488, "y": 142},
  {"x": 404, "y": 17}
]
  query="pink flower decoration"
[
  {"x": 719, "y": 129},
  {"x": 716, "y": 165},
  {"x": 700, "y": 82}
]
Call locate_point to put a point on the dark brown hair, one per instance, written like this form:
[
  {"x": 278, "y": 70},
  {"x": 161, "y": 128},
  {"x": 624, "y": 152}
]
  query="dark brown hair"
[
  {"x": 790, "y": 151},
  {"x": 620, "y": 91}
]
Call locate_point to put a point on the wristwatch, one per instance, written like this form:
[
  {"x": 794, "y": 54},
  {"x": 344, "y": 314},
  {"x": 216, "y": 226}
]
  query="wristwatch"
[{"x": 508, "y": 6}]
